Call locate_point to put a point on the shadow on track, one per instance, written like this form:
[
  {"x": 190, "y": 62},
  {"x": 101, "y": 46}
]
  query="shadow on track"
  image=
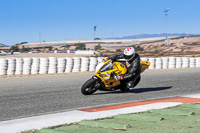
[
  {"x": 141, "y": 90},
  {"x": 136, "y": 90}
]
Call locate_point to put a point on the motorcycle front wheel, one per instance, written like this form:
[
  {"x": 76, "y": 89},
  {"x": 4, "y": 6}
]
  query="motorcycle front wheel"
[{"x": 89, "y": 87}]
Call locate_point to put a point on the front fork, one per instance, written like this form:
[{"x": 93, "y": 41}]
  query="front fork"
[{"x": 99, "y": 83}]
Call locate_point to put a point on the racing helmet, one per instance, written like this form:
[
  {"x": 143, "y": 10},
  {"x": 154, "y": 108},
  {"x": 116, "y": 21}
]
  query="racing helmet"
[{"x": 129, "y": 53}]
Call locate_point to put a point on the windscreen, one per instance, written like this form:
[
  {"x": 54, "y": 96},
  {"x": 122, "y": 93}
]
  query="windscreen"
[{"x": 106, "y": 67}]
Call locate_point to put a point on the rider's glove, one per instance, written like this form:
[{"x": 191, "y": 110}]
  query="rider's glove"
[{"x": 118, "y": 77}]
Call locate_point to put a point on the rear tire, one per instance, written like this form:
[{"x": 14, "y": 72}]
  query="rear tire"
[
  {"x": 137, "y": 81},
  {"x": 123, "y": 86},
  {"x": 88, "y": 87}
]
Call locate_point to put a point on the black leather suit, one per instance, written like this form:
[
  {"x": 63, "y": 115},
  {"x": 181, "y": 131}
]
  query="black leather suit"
[{"x": 133, "y": 67}]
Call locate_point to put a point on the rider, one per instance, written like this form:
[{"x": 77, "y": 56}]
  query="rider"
[{"x": 132, "y": 62}]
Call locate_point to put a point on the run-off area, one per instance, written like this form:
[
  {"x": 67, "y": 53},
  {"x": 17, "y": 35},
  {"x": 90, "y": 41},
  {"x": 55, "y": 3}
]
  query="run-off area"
[{"x": 182, "y": 118}]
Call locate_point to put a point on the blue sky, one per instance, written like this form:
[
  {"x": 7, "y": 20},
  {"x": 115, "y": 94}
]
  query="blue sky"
[{"x": 23, "y": 20}]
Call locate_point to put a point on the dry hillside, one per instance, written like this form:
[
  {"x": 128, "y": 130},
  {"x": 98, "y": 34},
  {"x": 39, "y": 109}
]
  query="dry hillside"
[{"x": 189, "y": 47}]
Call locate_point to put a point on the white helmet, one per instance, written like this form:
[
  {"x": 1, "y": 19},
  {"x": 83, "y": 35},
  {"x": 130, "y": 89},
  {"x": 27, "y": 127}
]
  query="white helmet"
[{"x": 129, "y": 53}]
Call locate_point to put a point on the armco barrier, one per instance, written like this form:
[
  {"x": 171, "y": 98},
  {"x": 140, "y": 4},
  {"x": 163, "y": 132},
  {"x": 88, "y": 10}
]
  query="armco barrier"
[{"x": 52, "y": 65}]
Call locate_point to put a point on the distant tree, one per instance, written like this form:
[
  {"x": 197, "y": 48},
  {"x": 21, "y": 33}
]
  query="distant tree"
[
  {"x": 118, "y": 50},
  {"x": 138, "y": 48},
  {"x": 98, "y": 47},
  {"x": 67, "y": 46},
  {"x": 24, "y": 49},
  {"x": 15, "y": 48},
  {"x": 23, "y": 43},
  {"x": 80, "y": 46},
  {"x": 50, "y": 48},
  {"x": 97, "y": 38}
]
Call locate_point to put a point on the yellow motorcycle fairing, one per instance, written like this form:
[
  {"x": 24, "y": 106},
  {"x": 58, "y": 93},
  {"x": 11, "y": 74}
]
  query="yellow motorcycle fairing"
[
  {"x": 144, "y": 65},
  {"x": 120, "y": 68},
  {"x": 117, "y": 69}
]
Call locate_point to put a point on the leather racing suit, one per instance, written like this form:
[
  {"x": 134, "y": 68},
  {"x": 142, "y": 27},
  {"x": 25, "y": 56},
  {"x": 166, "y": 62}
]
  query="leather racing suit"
[{"x": 133, "y": 70}]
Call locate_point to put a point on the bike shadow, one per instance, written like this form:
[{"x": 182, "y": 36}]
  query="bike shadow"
[
  {"x": 141, "y": 90},
  {"x": 136, "y": 90}
]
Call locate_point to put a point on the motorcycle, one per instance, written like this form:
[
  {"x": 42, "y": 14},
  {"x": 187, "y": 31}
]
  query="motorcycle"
[{"x": 104, "y": 79}]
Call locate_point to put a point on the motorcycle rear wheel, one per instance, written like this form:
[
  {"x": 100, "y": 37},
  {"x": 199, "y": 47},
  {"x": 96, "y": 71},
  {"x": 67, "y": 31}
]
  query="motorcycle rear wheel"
[{"x": 89, "y": 87}]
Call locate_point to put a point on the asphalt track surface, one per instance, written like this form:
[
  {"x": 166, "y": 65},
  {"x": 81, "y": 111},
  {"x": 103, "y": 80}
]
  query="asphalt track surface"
[{"x": 37, "y": 95}]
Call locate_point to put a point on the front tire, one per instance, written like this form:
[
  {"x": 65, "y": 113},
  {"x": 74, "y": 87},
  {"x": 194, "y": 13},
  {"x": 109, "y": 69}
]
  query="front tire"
[{"x": 89, "y": 87}]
